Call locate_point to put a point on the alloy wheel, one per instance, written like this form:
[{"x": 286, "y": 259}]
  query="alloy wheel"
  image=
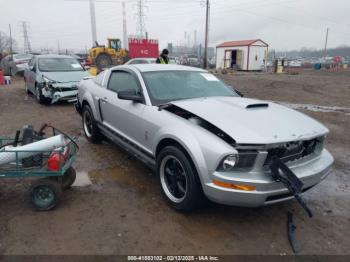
[
  {"x": 87, "y": 123},
  {"x": 173, "y": 178}
]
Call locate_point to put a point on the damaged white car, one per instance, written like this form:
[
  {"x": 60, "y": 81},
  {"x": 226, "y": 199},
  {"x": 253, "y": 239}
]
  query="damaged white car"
[
  {"x": 53, "y": 77},
  {"x": 203, "y": 138}
]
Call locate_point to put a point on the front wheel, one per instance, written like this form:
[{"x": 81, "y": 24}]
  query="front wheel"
[
  {"x": 45, "y": 194},
  {"x": 38, "y": 95},
  {"x": 26, "y": 87},
  {"x": 178, "y": 180},
  {"x": 90, "y": 127}
]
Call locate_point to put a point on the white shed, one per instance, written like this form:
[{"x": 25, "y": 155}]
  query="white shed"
[{"x": 242, "y": 55}]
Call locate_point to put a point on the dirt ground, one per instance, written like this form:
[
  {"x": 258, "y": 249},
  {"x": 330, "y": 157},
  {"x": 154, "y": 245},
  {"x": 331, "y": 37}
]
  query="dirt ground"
[{"x": 122, "y": 212}]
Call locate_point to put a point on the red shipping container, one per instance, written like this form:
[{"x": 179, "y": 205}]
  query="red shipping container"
[{"x": 147, "y": 48}]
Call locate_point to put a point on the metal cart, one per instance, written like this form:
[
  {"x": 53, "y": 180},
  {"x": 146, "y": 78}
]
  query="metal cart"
[{"x": 49, "y": 182}]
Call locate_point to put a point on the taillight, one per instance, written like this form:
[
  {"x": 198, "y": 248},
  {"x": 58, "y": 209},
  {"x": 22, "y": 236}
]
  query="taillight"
[{"x": 57, "y": 158}]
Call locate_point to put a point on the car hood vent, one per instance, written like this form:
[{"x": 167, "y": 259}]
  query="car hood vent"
[{"x": 259, "y": 105}]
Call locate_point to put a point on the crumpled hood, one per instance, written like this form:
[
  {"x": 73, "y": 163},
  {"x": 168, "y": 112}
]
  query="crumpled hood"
[
  {"x": 266, "y": 123},
  {"x": 64, "y": 77}
]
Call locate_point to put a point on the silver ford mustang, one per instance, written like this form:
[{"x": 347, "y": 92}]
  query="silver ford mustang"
[{"x": 204, "y": 140}]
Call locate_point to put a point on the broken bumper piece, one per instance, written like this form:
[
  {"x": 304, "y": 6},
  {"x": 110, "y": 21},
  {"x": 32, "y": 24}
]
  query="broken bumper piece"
[{"x": 70, "y": 96}]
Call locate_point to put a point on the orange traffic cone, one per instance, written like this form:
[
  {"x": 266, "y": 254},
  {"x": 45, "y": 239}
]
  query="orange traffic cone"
[{"x": 2, "y": 80}]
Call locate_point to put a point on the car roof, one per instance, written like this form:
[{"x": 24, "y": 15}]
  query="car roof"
[
  {"x": 53, "y": 56},
  {"x": 143, "y": 58},
  {"x": 161, "y": 67}
]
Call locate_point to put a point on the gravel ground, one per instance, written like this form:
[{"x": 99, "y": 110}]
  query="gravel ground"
[{"x": 122, "y": 211}]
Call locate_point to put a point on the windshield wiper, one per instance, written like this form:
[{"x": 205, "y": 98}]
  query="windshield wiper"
[{"x": 163, "y": 106}]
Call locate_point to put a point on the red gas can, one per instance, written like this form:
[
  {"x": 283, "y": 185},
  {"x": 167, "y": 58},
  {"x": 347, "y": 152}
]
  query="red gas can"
[
  {"x": 56, "y": 159},
  {"x": 2, "y": 80}
]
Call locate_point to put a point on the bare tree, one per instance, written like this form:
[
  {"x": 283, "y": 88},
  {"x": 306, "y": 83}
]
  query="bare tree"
[{"x": 5, "y": 43}]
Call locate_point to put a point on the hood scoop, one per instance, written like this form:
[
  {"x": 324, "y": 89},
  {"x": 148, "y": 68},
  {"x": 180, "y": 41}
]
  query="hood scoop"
[{"x": 258, "y": 105}]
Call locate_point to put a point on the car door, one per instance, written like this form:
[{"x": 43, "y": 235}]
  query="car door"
[
  {"x": 123, "y": 116},
  {"x": 30, "y": 75}
]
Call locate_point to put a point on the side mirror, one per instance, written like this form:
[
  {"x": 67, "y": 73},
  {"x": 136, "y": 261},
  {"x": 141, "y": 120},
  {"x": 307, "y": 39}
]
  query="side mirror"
[{"x": 131, "y": 95}]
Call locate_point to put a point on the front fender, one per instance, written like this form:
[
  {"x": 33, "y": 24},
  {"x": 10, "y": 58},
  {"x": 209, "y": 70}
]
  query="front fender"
[
  {"x": 205, "y": 149},
  {"x": 88, "y": 98},
  {"x": 188, "y": 142}
]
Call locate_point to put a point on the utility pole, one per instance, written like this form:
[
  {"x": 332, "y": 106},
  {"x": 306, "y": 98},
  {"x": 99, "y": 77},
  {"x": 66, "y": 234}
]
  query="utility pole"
[
  {"x": 195, "y": 38},
  {"x": 11, "y": 42},
  {"x": 58, "y": 47},
  {"x": 325, "y": 46},
  {"x": 205, "y": 62},
  {"x": 125, "y": 34},
  {"x": 93, "y": 22}
]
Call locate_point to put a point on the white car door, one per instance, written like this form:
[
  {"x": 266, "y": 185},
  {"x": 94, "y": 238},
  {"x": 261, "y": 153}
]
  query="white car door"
[
  {"x": 123, "y": 116},
  {"x": 30, "y": 74}
]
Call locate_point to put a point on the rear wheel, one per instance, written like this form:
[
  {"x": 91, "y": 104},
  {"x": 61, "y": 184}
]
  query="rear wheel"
[
  {"x": 90, "y": 127},
  {"x": 178, "y": 180},
  {"x": 68, "y": 178},
  {"x": 45, "y": 194},
  {"x": 103, "y": 61}
]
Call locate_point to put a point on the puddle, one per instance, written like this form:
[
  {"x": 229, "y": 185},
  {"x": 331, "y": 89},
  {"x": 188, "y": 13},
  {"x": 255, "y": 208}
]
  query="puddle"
[
  {"x": 317, "y": 108},
  {"x": 82, "y": 179},
  {"x": 126, "y": 177}
]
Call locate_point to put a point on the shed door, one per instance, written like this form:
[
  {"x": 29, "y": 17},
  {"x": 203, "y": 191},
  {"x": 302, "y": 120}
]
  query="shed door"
[
  {"x": 227, "y": 61},
  {"x": 239, "y": 59}
]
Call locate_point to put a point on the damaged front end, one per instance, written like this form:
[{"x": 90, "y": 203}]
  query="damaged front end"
[
  {"x": 58, "y": 91},
  {"x": 261, "y": 174}
]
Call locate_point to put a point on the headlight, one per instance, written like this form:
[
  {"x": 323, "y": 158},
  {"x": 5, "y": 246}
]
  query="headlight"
[
  {"x": 229, "y": 162},
  {"x": 47, "y": 82},
  {"x": 244, "y": 160}
]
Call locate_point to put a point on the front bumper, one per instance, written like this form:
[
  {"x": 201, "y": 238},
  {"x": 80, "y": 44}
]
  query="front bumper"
[
  {"x": 70, "y": 96},
  {"x": 267, "y": 190},
  {"x": 57, "y": 95}
]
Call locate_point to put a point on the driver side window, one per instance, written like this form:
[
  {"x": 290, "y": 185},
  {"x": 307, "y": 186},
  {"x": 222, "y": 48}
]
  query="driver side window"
[
  {"x": 32, "y": 64},
  {"x": 121, "y": 81}
]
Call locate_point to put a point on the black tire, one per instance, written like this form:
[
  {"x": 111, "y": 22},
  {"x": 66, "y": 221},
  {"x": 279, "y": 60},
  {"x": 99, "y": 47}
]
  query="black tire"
[
  {"x": 90, "y": 127},
  {"x": 103, "y": 61},
  {"x": 38, "y": 95},
  {"x": 184, "y": 192},
  {"x": 45, "y": 194},
  {"x": 68, "y": 178}
]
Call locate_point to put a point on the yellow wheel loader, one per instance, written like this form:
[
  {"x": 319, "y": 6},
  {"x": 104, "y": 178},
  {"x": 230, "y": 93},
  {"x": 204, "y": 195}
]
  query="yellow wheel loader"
[{"x": 105, "y": 56}]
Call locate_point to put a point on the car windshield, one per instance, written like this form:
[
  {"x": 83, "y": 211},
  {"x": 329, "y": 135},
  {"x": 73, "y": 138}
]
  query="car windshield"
[
  {"x": 23, "y": 56},
  {"x": 166, "y": 86},
  {"x": 58, "y": 64}
]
